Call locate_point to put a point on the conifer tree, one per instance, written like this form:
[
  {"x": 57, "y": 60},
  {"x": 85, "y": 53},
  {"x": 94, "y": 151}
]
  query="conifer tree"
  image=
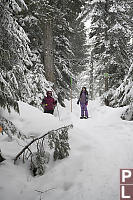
[
  {"x": 13, "y": 55},
  {"x": 60, "y": 14},
  {"x": 110, "y": 36}
]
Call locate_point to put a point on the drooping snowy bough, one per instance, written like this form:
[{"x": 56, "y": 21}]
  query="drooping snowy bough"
[
  {"x": 10, "y": 129},
  {"x": 56, "y": 140}
]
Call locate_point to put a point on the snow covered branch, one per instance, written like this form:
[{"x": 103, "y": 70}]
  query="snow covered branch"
[{"x": 56, "y": 139}]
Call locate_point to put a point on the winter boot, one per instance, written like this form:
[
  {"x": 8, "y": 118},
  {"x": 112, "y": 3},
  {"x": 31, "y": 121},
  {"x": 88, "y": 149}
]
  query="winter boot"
[
  {"x": 81, "y": 117},
  {"x": 85, "y": 117}
]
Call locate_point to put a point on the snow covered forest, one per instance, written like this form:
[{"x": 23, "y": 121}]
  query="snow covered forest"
[
  {"x": 45, "y": 43},
  {"x": 61, "y": 46}
]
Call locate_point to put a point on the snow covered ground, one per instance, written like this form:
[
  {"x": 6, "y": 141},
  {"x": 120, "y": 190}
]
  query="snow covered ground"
[{"x": 100, "y": 146}]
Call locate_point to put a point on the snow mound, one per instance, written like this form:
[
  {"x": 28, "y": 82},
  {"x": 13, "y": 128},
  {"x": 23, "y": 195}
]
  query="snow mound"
[{"x": 31, "y": 121}]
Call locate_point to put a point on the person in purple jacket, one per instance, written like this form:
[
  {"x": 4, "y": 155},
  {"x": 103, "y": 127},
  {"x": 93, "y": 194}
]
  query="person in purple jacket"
[
  {"x": 49, "y": 103},
  {"x": 83, "y": 100}
]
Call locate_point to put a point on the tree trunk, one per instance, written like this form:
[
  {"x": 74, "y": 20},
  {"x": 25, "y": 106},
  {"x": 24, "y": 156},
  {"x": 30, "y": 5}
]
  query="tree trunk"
[
  {"x": 91, "y": 78},
  {"x": 48, "y": 52},
  {"x": 106, "y": 84}
]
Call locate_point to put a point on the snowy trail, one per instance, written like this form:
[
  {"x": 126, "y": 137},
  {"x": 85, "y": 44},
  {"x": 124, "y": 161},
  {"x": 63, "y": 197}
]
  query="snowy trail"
[{"x": 100, "y": 146}]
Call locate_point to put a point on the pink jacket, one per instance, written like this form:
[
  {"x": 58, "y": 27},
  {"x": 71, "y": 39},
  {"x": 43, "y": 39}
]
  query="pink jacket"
[{"x": 49, "y": 103}]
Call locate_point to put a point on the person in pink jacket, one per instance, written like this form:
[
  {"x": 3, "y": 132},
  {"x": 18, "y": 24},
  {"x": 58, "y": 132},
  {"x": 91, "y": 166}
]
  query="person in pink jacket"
[{"x": 49, "y": 103}]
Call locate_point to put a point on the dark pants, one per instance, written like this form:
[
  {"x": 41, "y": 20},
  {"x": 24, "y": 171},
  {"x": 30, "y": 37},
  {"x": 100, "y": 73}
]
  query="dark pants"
[{"x": 49, "y": 111}]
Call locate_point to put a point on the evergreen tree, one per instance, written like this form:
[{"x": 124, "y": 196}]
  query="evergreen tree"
[
  {"x": 14, "y": 53},
  {"x": 109, "y": 37},
  {"x": 79, "y": 46},
  {"x": 124, "y": 93},
  {"x": 22, "y": 73},
  {"x": 57, "y": 16}
]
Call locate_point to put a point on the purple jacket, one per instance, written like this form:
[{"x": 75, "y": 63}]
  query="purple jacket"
[
  {"x": 49, "y": 103},
  {"x": 83, "y": 98}
]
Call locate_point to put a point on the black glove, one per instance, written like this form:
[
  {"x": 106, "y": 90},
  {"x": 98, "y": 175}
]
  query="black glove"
[{"x": 78, "y": 102}]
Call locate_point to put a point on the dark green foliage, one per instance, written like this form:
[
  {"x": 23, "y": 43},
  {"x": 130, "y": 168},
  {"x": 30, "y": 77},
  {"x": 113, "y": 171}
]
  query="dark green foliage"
[
  {"x": 60, "y": 143},
  {"x": 39, "y": 162},
  {"x": 56, "y": 140}
]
